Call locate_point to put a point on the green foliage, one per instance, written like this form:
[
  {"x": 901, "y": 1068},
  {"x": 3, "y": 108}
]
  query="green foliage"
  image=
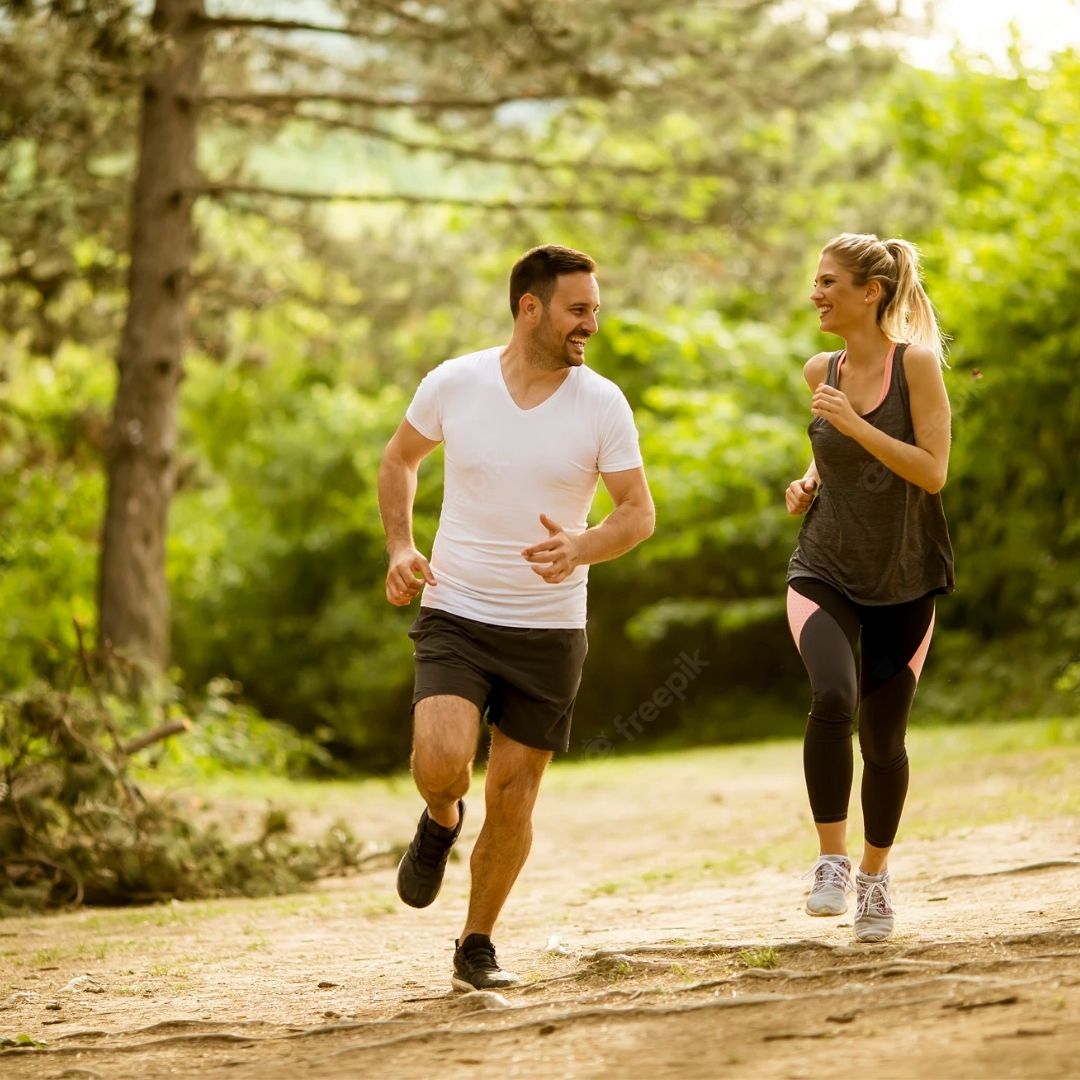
[
  {"x": 277, "y": 558},
  {"x": 310, "y": 328},
  {"x": 223, "y": 735},
  {"x": 75, "y": 828},
  {"x": 51, "y": 492},
  {"x": 1008, "y": 267}
]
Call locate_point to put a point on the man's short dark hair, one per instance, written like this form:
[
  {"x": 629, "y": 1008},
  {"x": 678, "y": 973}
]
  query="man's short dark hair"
[{"x": 535, "y": 272}]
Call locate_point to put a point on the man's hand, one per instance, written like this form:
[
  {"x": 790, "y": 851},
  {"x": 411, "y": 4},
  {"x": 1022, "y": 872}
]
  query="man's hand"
[
  {"x": 409, "y": 572},
  {"x": 800, "y": 494},
  {"x": 555, "y": 558}
]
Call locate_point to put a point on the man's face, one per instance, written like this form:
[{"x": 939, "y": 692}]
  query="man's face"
[{"x": 568, "y": 320}]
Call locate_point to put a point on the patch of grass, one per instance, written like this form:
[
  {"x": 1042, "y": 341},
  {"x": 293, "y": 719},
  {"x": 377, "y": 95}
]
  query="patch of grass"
[
  {"x": 606, "y": 888},
  {"x": 762, "y": 957},
  {"x": 87, "y": 950},
  {"x": 43, "y": 957},
  {"x": 21, "y": 1040},
  {"x": 655, "y": 877},
  {"x": 167, "y": 971},
  {"x": 729, "y": 865},
  {"x": 378, "y": 904}
]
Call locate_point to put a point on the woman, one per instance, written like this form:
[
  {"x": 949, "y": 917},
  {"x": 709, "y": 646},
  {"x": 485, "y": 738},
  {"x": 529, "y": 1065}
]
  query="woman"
[{"x": 873, "y": 553}]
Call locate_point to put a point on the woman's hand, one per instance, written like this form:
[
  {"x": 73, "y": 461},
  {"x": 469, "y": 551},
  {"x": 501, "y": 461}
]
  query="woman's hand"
[
  {"x": 831, "y": 404},
  {"x": 800, "y": 494}
]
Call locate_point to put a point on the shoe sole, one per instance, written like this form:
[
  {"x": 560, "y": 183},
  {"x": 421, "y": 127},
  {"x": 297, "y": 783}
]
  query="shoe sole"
[
  {"x": 468, "y": 988},
  {"x": 875, "y": 937},
  {"x": 826, "y": 914}
]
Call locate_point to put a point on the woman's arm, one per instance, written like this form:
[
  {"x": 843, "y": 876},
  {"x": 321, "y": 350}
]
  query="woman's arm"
[
  {"x": 926, "y": 464},
  {"x": 800, "y": 493}
]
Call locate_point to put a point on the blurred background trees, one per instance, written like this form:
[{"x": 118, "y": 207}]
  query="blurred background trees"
[{"x": 359, "y": 197}]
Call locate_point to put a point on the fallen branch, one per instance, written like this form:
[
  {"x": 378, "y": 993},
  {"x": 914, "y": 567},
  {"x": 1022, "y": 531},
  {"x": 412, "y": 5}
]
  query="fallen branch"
[{"x": 162, "y": 731}]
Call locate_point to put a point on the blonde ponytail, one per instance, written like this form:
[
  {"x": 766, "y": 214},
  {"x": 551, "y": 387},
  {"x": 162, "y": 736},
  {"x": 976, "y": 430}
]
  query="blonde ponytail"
[
  {"x": 905, "y": 313},
  {"x": 909, "y": 315}
]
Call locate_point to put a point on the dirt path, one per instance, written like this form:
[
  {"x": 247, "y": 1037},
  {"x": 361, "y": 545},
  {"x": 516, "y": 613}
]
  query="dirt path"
[{"x": 655, "y": 891}]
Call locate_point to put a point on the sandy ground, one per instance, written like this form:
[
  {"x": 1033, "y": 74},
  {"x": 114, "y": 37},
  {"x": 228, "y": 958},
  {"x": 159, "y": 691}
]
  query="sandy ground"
[{"x": 655, "y": 892}]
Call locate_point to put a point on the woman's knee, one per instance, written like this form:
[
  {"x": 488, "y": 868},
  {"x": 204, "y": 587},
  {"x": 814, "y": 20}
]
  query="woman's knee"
[
  {"x": 883, "y": 749},
  {"x": 834, "y": 702}
]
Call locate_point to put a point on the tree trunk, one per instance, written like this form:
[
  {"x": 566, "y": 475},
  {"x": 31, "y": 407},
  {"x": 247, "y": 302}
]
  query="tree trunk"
[{"x": 133, "y": 601}]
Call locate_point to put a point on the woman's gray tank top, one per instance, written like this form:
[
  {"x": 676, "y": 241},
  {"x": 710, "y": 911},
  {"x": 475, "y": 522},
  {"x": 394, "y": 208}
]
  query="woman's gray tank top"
[{"x": 869, "y": 533}]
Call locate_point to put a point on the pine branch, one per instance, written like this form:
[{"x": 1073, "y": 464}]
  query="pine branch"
[
  {"x": 474, "y": 153},
  {"x": 405, "y": 16},
  {"x": 237, "y": 22},
  {"x": 546, "y": 205},
  {"x": 211, "y": 23},
  {"x": 370, "y": 102}
]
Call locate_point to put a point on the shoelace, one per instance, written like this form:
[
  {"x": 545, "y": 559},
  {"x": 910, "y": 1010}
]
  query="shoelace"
[
  {"x": 431, "y": 852},
  {"x": 875, "y": 900},
  {"x": 829, "y": 872}
]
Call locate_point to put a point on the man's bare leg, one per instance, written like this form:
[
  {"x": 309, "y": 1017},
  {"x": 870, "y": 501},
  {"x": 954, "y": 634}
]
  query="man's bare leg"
[
  {"x": 445, "y": 733},
  {"x": 513, "y": 782}
]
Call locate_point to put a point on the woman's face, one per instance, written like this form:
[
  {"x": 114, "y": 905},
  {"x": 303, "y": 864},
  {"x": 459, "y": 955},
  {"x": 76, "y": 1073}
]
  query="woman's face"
[{"x": 840, "y": 302}]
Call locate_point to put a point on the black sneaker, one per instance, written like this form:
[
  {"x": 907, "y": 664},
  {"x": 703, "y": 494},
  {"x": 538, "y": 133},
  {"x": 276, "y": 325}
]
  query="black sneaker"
[
  {"x": 475, "y": 966},
  {"x": 420, "y": 872}
]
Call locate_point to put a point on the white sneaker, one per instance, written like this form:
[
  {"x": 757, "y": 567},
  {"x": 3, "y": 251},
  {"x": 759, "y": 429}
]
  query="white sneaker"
[
  {"x": 832, "y": 883},
  {"x": 874, "y": 915}
]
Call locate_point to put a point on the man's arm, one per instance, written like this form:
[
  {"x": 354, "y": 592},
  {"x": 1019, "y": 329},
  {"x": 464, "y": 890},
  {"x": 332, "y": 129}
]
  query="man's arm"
[
  {"x": 631, "y": 521},
  {"x": 409, "y": 570}
]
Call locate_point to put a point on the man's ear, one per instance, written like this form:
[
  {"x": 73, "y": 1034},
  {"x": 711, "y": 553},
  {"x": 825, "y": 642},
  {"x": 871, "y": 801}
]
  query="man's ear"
[{"x": 530, "y": 307}]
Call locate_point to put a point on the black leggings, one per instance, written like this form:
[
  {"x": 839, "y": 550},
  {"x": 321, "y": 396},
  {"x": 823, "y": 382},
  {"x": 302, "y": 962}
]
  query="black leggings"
[{"x": 826, "y": 626}]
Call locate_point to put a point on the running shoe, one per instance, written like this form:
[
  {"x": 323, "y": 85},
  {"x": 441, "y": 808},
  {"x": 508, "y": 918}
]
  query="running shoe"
[
  {"x": 420, "y": 872},
  {"x": 832, "y": 883},
  {"x": 874, "y": 915},
  {"x": 475, "y": 966}
]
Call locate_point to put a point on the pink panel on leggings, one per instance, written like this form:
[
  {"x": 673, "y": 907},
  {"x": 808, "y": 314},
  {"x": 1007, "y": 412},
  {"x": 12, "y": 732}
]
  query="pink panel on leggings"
[
  {"x": 917, "y": 661},
  {"x": 799, "y": 609}
]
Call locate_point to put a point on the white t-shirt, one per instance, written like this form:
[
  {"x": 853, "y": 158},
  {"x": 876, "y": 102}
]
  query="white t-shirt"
[{"x": 504, "y": 467}]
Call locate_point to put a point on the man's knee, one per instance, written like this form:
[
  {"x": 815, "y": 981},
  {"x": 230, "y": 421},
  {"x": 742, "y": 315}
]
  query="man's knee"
[
  {"x": 440, "y": 775},
  {"x": 510, "y": 805},
  {"x": 512, "y": 796},
  {"x": 445, "y": 732}
]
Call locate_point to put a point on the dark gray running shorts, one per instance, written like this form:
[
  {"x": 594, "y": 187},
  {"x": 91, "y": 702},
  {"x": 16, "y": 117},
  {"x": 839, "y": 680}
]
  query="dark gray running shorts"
[{"x": 525, "y": 679}]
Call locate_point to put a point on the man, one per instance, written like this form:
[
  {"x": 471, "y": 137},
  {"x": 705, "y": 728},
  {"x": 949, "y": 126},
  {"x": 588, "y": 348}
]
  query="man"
[{"x": 527, "y": 430}]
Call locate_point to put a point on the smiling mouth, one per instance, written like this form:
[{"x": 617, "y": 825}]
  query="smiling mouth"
[
  {"x": 823, "y": 311},
  {"x": 578, "y": 343}
]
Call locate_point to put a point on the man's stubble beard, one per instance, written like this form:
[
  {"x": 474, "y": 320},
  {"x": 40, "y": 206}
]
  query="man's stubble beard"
[{"x": 552, "y": 357}]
